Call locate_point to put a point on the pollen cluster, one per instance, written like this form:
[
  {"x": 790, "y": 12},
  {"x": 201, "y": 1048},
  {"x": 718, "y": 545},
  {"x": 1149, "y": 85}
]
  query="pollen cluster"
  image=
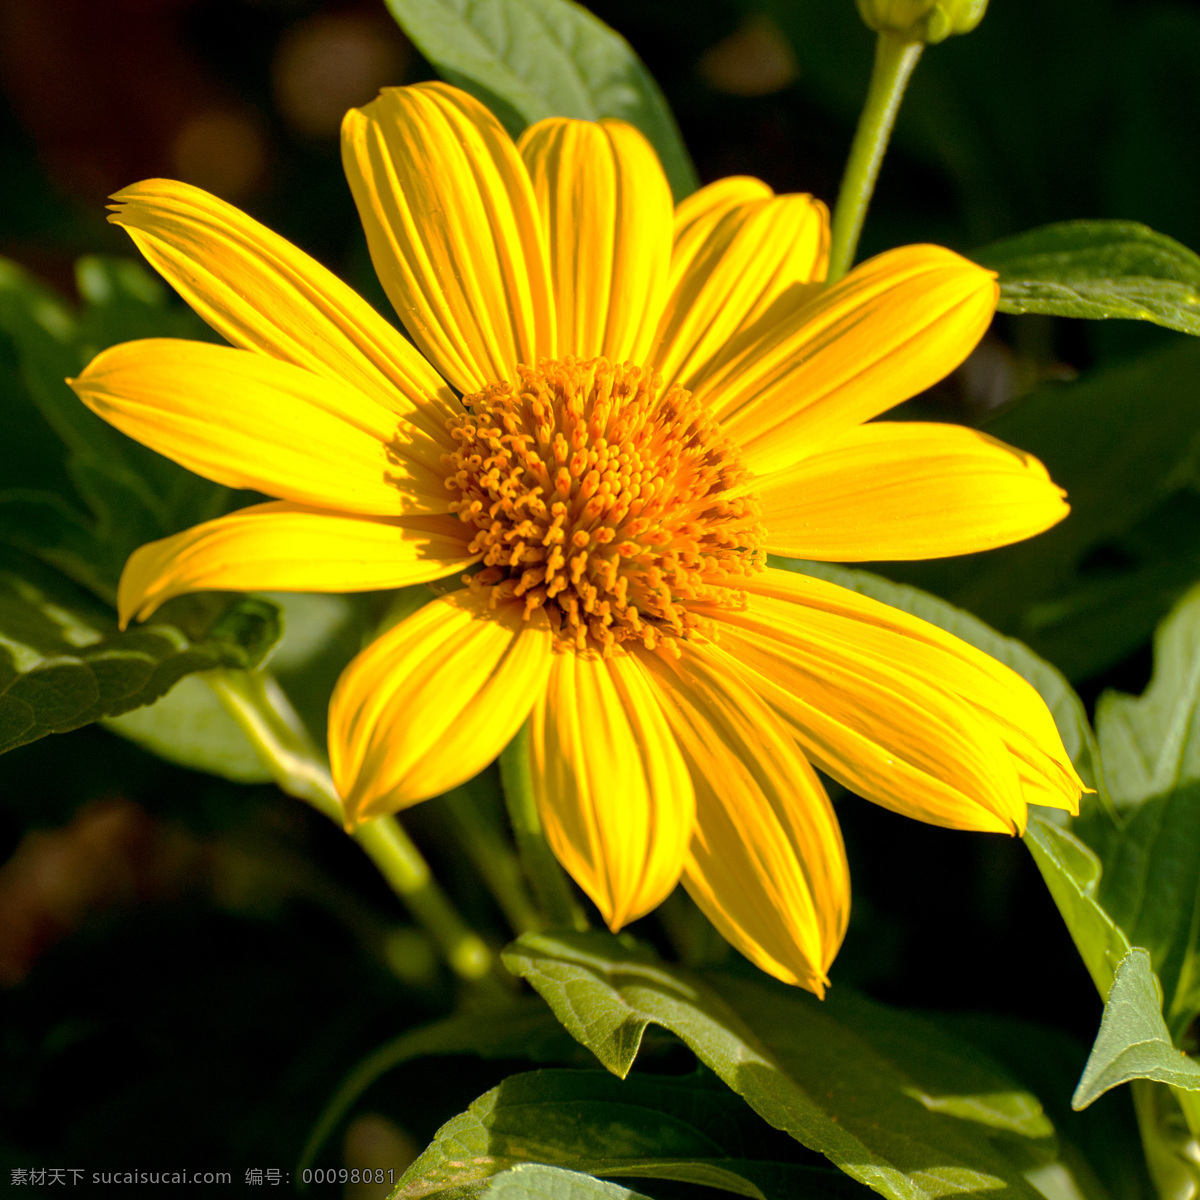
[{"x": 614, "y": 505}]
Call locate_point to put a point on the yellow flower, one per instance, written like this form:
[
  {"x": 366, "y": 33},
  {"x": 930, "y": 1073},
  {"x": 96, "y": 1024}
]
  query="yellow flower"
[{"x": 651, "y": 398}]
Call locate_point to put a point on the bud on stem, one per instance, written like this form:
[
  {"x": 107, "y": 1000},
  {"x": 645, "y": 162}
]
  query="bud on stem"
[{"x": 927, "y": 21}]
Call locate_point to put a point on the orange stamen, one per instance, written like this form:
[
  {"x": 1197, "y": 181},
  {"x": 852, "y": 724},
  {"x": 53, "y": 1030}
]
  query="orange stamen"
[{"x": 614, "y": 508}]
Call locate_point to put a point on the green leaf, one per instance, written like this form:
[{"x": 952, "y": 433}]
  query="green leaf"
[
  {"x": 532, "y": 1181},
  {"x": 905, "y": 1110},
  {"x": 1097, "y": 270},
  {"x": 64, "y": 663},
  {"x": 1150, "y": 887},
  {"x": 1064, "y": 705},
  {"x": 1133, "y": 1042},
  {"x": 1101, "y": 1143},
  {"x": 530, "y": 59},
  {"x": 1151, "y": 743},
  {"x": 45, "y": 525},
  {"x": 1151, "y": 752},
  {"x": 1107, "y": 615},
  {"x": 190, "y": 727},
  {"x": 689, "y": 1129},
  {"x": 1072, "y": 871},
  {"x": 517, "y": 1028}
]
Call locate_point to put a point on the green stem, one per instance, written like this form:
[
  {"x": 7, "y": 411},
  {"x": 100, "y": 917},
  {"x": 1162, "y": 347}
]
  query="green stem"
[
  {"x": 264, "y": 713},
  {"x": 492, "y": 855},
  {"x": 1167, "y": 1139},
  {"x": 895, "y": 59},
  {"x": 541, "y": 867}
]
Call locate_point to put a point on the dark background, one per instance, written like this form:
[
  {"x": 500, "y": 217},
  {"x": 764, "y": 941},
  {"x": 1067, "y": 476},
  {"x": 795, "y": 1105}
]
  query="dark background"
[{"x": 188, "y": 967}]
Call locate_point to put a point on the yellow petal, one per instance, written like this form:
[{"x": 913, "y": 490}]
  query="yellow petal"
[
  {"x": 281, "y": 547},
  {"x": 759, "y": 261},
  {"x": 906, "y": 490},
  {"x": 606, "y": 211},
  {"x": 893, "y": 327},
  {"x": 261, "y": 293},
  {"x": 767, "y": 863},
  {"x": 696, "y": 216},
  {"x": 899, "y": 711},
  {"x": 250, "y": 421},
  {"x": 612, "y": 789},
  {"x": 453, "y": 229},
  {"x": 432, "y": 702}
]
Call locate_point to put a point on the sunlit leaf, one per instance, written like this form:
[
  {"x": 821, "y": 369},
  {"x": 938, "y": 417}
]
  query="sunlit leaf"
[
  {"x": 1098, "y": 269},
  {"x": 690, "y": 1129},
  {"x": 529, "y": 59},
  {"x": 532, "y": 1181},
  {"x": 906, "y": 1111},
  {"x": 1133, "y": 1042}
]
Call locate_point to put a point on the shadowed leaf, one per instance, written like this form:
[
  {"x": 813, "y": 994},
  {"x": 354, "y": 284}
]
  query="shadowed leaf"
[
  {"x": 905, "y": 1110},
  {"x": 691, "y": 1130},
  {"x": 64, "y": 663}
]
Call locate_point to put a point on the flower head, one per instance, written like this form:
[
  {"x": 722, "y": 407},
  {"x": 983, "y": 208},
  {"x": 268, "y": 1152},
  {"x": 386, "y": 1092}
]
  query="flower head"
[
  {"x": 613, "y": 410},
  {"x": 617, "y": 507}
]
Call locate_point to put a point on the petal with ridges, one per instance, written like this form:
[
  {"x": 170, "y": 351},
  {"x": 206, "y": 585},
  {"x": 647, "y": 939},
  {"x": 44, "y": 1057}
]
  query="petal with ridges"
[
  {"x": 433, "y": 701},
  {"x": 250, "y": 421},
  {"x": 282, "y": 547},
  {"x": 1004, "y": 699},
  {"x": 891, "y": 328},
  {"x": 453, "y": 229},
  {"x": 907, "y": 490},
  {"x": 261, "y": 293},
  {"x": 872, "y": 733},
  {"x": 767, "y": 863},
  {"x": 606, "y": 211},
  {"x": 612, "y": 789},
  {"x": 897, "y": 710},
  {"x": 758, "y": 262},
  {"x": 696, "y": 216}
]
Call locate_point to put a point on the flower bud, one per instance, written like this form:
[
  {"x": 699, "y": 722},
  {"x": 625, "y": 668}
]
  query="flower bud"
[{"x": 926, "y": 21}]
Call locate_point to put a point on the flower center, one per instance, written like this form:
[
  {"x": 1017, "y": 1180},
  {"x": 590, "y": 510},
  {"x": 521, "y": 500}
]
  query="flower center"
[{"x": 616, "y": 507}]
